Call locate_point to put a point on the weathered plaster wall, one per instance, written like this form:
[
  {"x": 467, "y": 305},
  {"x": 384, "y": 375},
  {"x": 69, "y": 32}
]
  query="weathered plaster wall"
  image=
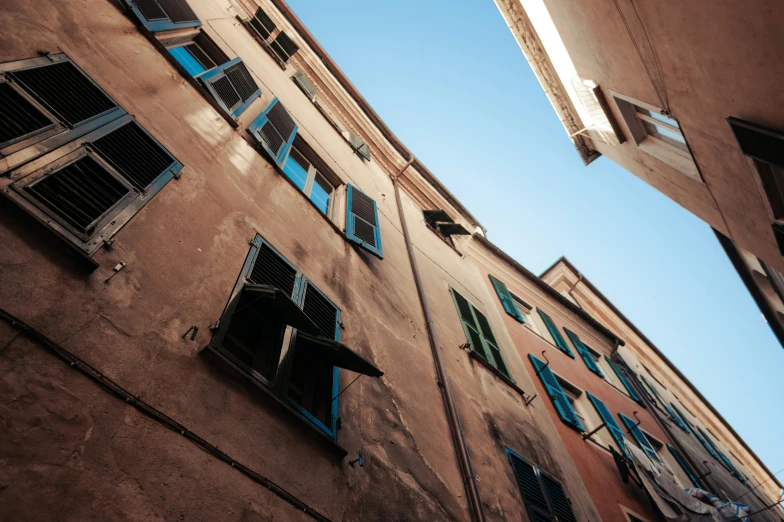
[
  {"x": 595, "y": 466},
  {"x": 183, "y": 254}
]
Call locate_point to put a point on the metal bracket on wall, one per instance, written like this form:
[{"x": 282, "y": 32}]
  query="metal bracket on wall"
[
  {"x": 544, "y": 356},
  {"x": 629, "y": 430},
  {"x": 529, "y": 401},
  {"x": 591, "y": 433}
]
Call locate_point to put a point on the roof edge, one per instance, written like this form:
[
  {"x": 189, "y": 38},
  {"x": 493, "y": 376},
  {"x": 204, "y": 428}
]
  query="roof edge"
[
  {"x": 549, "y": 290},
  {"x": 669, "y": 363}
]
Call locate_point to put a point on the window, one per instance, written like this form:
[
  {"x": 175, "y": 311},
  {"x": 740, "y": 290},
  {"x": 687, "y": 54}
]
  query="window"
[
  {"x": 73, "y": 158},
  {"x": 559, "y": 399},
  {"x": 362, "y": 225},
  {"x": 317, "y": 183},
  {"x": 276, "y": 42},
  {"x": 505, "y": 296},
  {"x": 634, "y": 429},
  {"x": 585, "y": 353},
  {"x": 558, "y": 339},
  {"x": 623, "y": 381},
  {"x": 275, "y": 131},
  {"x": 657, "y": 134},
  {"x": 360, "y": 147},
  {"x": 663, "y": 405},
  {"x": 526, "y": 311},
  {"x": 439, "y": 222},
  {"x": 610, "y": 423},
  {"x": 305, "y": 85},
  {"x": 684, "y": 466},
  {"x": 160, "y": 15},
  {"x": 228, "y": 81},
  {"x": 544, "y": 498},
  {"x": 479, "y": 335},
  {"x": 284, "y": 333}
]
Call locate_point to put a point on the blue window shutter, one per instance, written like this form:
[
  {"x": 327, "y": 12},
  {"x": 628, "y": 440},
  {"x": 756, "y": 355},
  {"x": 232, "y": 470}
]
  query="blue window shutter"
[
  {"x": 159, "y": 15},
  {"x": 506, "y": 299},
  {"x": 704, "y": 442},
  {"x": 716, "y": 453},
  {"x": 684, "y": 422},
  {"x": 556, "y": 394},
  {"x": 362, "y": 221},
  {"x": 590, "y": 362},
  {"x": 640, "y": 437},
  {"x": 609, "y": 421},
  {"x": 684, "y": 466},
  {"x": 274, "y": 129},
  {"x": 555, "y": 334},
  {"x": 232, "y": 86},
  {"x": 626, "y": 384}
]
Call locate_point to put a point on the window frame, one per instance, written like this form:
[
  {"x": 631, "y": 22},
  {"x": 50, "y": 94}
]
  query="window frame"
[
  {"x": 526, "y": 310},
  {"x": 679, "y": 158},
  {"x": 485, "y": 352},
  {"x": 46, "y": 154},
  {"x": 278, "y": 387},
  {"x": 312, "y": 171}
]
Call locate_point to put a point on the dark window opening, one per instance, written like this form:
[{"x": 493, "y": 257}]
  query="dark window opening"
[
  {"x": 283, "y": 46},
  {"x": 262, "y": 24},
  {"x": 295, "y": 354}
]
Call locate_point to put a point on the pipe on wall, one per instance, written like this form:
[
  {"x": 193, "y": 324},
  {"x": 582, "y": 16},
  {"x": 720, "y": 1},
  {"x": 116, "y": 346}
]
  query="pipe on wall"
[{"x": 453, "y": 418}]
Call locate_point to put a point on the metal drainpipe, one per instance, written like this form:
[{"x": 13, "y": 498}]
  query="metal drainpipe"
[
  {"x": 663, "y": 425},
  {"x": 453, "y": 418}
]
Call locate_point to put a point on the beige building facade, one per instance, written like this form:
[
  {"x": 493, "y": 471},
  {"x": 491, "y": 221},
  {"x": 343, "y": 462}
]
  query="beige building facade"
[
  {"x": 229, "y": 292},
  {"x": 687, "y": 98}
]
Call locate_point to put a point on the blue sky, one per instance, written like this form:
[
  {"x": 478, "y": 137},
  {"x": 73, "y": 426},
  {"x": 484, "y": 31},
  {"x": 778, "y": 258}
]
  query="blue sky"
[{"x": 451, "y": 82}]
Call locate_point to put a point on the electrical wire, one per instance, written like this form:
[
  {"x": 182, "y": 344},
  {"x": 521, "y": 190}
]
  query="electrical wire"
[{"x": 121, "y": 393}]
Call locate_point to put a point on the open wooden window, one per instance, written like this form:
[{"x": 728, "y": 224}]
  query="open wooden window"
[{"x": 75, "y": 160}]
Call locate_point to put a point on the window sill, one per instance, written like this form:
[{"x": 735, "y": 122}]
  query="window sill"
[
  {"x": 495, "y": 371},
  {"x": 219, "y": 360}
]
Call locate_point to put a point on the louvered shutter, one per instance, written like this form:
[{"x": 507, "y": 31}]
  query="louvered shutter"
[
  {"x": 716, "y": 452},
  {"x": 678, "y": 422},
  {"x": 626, "y": 384},
  {"x": 263, "y": 266},
  {"x": 51, "y": 96},
  {"x": 612, "y": 425},
  {"x": 275, "y": 130},
  {"x": 684, "y": 466},
  {"x": 322, "y": 312},
  {"x": 471, "y": 329},
  {"x": 705, "y": 444},
  {"x": 556, "y": 394},
  {"x": 758, "y": 142},
  {"x": 640, "y": 437},
  {"x": 159, "y": 15},
  {"x": 491, "y": 345},
  {"x": 362, "y": 225},
  {"x": 232, "y": 86},
  {"x": 685, "y": 424},
  {"x": 527, "y": 479},
  {"x": 560, "y": 504},
  {"x": 506, "y": 299},
  {"x": 590, "y": 362},
  {"x": 555, "y": 334},
  {"x": 304, "y": 84}
]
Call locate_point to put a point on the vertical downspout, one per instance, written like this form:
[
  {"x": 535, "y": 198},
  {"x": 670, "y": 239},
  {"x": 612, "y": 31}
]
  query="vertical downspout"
[
  {"x": 453, "y": 419},
  {"x": 663, "y": 425}
]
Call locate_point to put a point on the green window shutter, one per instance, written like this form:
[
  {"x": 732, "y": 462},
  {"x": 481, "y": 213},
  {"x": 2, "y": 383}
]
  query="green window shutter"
[
  {"x": 684, "y": 466},
  {"x": 555, "y": 334},
  {"x": 590, "y": 362},
  {"x": 677, "y": 420},
  {"x": 609, "y": 421},
  {"x": 684, "y": 424},
  {"x": 479, "y": 334},
  {"x": 506, "y": 299},
  {"x": 556, "y": 394},
  {"x": 304, "y": 84},
  {"x": 716, "y": 453},
  {"x": 640, "y": 437},
  {"x": 543, "y": 496},
  {"x": 362, "y": 226},
  {"x": 626, "y": 384},
  {"x": 647, "y": 389}
]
